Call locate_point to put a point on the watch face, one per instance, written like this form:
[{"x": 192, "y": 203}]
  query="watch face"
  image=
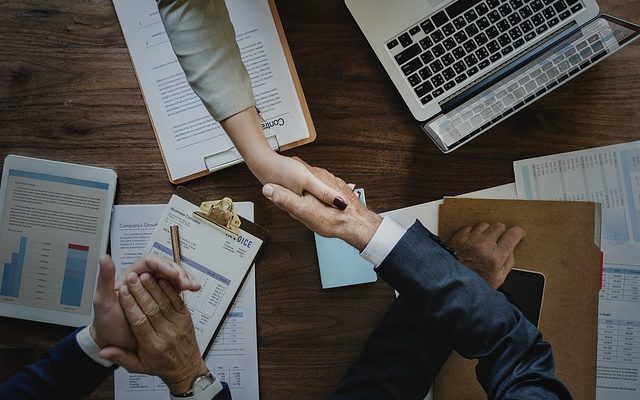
[{"x": 203, "y": 382}]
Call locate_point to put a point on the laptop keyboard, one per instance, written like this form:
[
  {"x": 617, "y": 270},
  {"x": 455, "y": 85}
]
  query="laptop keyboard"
[
  {"x": 460, "y": 41},
  {"x": 526, "y": 85}
]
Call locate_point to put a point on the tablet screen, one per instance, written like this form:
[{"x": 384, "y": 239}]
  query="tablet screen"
[{"x": 51, "y": 236}]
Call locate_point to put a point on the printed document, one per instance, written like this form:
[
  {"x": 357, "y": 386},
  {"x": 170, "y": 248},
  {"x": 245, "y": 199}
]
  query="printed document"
[
  {"x": 609, "y": 175},
  {"x": 54, "y": 228},
  {"x": 619, "y": 333},
  {"x": 186, "y": 132},
  {"x": 131, "y": 230},
  {"x": 234, "y": 354}
]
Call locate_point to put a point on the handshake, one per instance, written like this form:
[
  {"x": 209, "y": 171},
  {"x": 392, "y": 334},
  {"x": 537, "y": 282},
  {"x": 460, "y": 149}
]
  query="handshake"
[{"x": 143, "y": 324}]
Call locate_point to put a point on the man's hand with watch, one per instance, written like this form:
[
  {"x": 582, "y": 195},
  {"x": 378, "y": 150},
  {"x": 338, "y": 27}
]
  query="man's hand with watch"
[
  {"x": 166, "y": 339},
  {"x": 205, "y": 387}
]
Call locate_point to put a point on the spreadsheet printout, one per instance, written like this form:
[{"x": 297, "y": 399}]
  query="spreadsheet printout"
[
  {"x": 608, "y": 175},
  {"x": 233, "y": 357}
]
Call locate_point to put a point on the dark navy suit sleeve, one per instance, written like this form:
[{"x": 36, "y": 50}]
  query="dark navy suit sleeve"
[
  {"x": 225, "y": 394},
  {"x": 477, "y": 321},
  {"x": 444, "y": 306},
  {"x": 400, "y": 360},
  {"x": 64, "y": 372}
]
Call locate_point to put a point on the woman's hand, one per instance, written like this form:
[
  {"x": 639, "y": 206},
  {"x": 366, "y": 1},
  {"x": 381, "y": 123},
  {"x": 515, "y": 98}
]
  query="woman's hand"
[
  {"x": 293, "y": 173},
  {"x": 270, "y": 167}
]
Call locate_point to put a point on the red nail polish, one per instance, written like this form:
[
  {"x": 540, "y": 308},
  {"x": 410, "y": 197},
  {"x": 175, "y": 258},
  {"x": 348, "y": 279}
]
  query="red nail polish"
[{"x": 340, "y": 203}]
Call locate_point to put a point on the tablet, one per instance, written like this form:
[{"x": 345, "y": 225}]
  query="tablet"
[{"x": 54, "y": 224}]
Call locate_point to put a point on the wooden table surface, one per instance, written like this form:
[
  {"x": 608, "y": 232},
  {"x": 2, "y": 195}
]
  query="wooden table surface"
[{"x": 68, "y": 92}]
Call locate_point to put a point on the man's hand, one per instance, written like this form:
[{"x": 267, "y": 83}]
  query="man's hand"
[
  {"x": 270, "y": 167},
  {"x": 162, "y": 268},
  {"x": 488, "y": 250},
  {"x": 355, "y": 225},
  {"x": 162, "y": 325},
  {"x": 110, "y": 326},
  {"x": 291, "y": 173}
]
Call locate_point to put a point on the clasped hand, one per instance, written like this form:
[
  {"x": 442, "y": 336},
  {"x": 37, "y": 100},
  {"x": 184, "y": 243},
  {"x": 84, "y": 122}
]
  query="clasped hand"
[{"x": 143, "y": 323}]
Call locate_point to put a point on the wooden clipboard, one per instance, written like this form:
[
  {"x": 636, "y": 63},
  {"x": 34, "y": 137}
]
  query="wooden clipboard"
[
  {"x": 246, "y": 226},
  {"x": 229, "y": 156},
  {"x": 301, "y": 98}
]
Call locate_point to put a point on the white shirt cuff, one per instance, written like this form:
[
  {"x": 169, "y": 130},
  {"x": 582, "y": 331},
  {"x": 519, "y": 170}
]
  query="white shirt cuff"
[
  {"x": 383, "y": 241},
  {"x": 86, "y": 343},
  {"x": 209, "y": 393}
]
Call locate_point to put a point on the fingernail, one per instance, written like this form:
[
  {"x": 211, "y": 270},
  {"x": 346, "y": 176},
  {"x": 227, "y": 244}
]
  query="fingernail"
[
  {"x": 124, "y": 291},
  {"x": 132, "y": 278},
  {"x": 267, "y": 190},
  {"x": 340, "y": 203}
]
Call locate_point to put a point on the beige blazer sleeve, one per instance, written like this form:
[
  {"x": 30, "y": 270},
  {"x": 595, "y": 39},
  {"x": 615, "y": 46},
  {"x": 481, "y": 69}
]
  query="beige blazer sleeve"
[{"x": 204, "y": 40}]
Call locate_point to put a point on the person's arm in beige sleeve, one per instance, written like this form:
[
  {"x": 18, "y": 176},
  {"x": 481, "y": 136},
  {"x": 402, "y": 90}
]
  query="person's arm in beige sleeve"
[{"x": 204, "y": 41}]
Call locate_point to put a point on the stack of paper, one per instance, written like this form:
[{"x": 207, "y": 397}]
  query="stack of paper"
[
  {"x": 609, "y": 175},
  {"x": 234, "y": 354}
]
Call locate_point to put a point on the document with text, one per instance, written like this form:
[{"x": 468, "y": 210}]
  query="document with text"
[
  {"x": 233, "y": 357},
  {"x": 608, "y": 175},
  {"x": 191, "y": 141},
  {"x": 131, "y": 230},
  {"x": 54, "y": 224}
]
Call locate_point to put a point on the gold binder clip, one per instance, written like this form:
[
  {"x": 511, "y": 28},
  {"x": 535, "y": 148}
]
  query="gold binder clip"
[{"x": 220, "y": 213}]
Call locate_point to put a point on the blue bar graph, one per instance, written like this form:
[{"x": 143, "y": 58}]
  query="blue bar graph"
[
  {"x": 12, "y": 274},
  {"x": 74, "y": 271}
]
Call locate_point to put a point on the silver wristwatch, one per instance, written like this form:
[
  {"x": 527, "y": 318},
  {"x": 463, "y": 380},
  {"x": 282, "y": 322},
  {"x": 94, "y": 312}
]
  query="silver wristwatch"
[{"x": 201, "y": 384}]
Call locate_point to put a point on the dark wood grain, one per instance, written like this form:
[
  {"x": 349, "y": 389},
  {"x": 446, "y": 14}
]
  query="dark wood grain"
[{"x": 68, "y": 92}]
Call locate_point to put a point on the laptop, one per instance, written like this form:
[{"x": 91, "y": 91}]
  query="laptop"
[{"x": 463, "y": 66}]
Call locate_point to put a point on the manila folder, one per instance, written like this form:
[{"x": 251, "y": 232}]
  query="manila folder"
[{"x": 561, "y": 243}]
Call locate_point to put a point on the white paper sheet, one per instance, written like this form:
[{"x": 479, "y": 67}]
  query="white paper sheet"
[
  {"x": 427, "y": 213},
  {"x": 609, "y": 175},
  {"x": 619, "y": 333},
  {"x": 233, "y": 356},
  {"x": 131, "y": 229},
  {"x": 185, "y": 130}
]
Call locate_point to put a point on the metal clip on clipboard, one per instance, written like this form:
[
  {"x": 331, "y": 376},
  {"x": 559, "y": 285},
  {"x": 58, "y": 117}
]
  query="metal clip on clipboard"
[
  {"x": 220, "y": 214},
  {"x": 231, "y": 156}
]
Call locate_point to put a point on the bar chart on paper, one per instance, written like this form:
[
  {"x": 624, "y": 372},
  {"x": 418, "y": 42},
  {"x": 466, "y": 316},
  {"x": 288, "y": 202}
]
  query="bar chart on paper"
[
  {"x": 43, "y": 274},
  {"x": 74, "y": 271},
  {"x": 12, "y": 273}
]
